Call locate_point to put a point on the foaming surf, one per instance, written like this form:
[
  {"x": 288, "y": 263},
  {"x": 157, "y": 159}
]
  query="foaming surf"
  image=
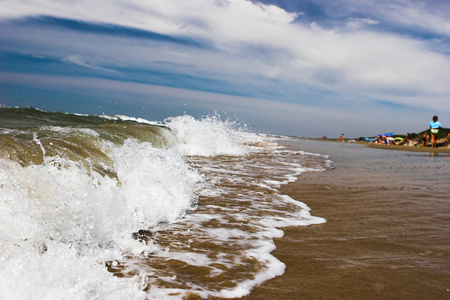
[{"x": 116, "y": 207}]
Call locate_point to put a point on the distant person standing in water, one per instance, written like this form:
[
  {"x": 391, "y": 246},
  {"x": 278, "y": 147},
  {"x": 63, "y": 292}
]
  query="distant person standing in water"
[
  {"x": 434, "y": 125},
  {"x": 341, "y": 138}
]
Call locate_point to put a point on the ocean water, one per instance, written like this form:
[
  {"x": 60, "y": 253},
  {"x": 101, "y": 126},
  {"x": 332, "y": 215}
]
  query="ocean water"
[
  {"x": 114, "y": 207},
  {"x": 387, "y": 233}
]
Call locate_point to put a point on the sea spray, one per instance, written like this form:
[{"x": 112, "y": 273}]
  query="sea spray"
[
  {"x": 209, "y": 136},
  {"x": 51, "y": 234},
  {"x": 82, "y": 219}
]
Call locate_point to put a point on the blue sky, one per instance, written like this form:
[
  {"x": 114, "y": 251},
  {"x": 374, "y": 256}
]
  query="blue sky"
[{"x": 311, "y": 68}]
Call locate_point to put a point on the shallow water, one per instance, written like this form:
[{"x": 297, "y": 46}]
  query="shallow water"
[
  {"x": 387, "y": 233},
  {"x": 223, "y": 248}
]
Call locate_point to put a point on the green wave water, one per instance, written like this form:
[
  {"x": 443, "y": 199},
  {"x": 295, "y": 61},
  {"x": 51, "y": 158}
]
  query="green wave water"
[{"x": 28, "y": 135}]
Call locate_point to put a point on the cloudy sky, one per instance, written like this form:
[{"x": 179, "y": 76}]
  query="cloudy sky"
[{"x": 296, "y": 67}]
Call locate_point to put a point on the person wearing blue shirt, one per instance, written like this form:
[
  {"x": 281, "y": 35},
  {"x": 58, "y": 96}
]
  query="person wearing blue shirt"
[{"x": 434, "y": 125}]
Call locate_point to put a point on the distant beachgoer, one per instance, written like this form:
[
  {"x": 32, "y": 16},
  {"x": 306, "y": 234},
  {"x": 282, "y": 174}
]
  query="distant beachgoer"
[
  {"x": 447, "y": 139},
  {"x": 406, "y": 140},
  {"x": 434, "y": 125},
  {"x": 341, "y": 138},
  {"x": 425, "y": 139}
]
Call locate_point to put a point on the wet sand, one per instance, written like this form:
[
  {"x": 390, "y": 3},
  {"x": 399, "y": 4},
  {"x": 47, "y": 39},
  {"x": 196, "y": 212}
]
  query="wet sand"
[{"x": 387, "y": 234}]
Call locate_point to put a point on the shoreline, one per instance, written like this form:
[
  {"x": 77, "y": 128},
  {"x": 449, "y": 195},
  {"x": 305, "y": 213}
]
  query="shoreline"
[
  {"x": 410, "y": 148},
  {"x": 445, "y": 150}
]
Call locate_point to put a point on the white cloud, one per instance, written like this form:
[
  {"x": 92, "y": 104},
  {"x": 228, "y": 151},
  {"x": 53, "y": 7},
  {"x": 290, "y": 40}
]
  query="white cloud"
[
  {"x": 194, "y": 17},
  {"x": 80, "y": 61},
  {"x": 355, "y": 24},
  {"x": 417, "y": 14},
  {"x": 429, "y": 16}
]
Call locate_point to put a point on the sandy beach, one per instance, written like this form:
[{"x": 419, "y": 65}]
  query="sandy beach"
[
  {"x": 400, "y": 147},
  {"x": 387, "y": 232},
  {"x": 410, "y": 148}
]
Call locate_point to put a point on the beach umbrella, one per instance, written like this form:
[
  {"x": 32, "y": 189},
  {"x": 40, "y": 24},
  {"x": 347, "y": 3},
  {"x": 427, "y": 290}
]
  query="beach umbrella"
[
  {"x": 399, "y": 138},
  {"x": 390, "y": 139},
  {"x": 389, "y": 134}
]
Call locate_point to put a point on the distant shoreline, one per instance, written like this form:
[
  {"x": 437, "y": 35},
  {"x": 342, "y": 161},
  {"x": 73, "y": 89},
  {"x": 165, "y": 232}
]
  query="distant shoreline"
[
  {"x": 410, "y": 148},
  {"x": 444, "y": 150}
]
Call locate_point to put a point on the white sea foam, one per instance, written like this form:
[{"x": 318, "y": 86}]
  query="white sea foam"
[
  {"x": 206, "y": 137},
  {"x": 133, "y": 119},
  {"x": 263, "y": 212},
  {"x": 61, "y": 223}
]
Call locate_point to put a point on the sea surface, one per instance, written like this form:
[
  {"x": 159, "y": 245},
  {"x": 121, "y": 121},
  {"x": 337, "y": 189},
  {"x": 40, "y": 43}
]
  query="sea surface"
[
  {"x": 115, "y": 207},
  {"x": 387, "y": 234}
]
